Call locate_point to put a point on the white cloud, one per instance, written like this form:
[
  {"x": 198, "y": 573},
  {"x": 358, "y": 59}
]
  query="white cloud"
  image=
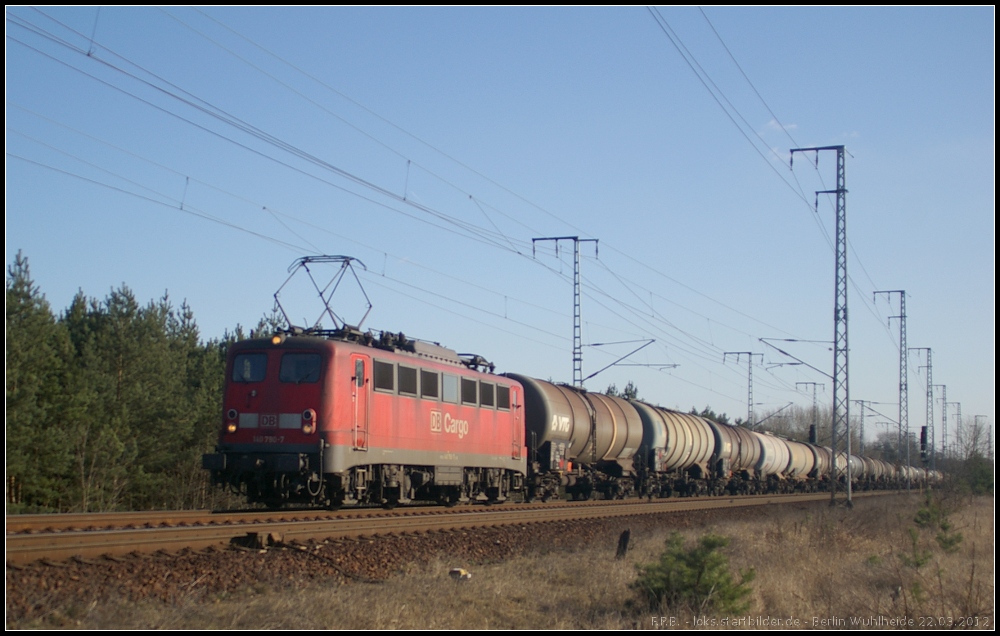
[{"x": 774, "y": 125}]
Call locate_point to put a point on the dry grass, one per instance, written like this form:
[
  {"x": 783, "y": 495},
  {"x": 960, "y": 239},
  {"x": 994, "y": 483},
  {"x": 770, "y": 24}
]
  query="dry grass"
[
  {"x": 849, "y": 567},
  {"x": 816, "y": 564}
]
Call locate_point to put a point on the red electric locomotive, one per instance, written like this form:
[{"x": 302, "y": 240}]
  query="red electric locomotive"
[{"x": 347, "y": 419}]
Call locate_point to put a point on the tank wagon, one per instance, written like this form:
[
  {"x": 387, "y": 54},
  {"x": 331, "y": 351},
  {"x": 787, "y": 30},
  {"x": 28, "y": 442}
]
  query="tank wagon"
[
  {"x": 677, "y": 452},
  {"x": 349, "y": 419},
  {"x": 582, "y": 442}
]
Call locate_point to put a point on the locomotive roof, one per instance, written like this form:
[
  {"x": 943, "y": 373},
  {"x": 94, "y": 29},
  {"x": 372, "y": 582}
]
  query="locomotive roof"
[{"x": 390, "y": 342}]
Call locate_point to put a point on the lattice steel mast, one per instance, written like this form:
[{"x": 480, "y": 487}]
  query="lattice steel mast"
[
  {"x": 944, "y": 421},
  {"x": 861, "y": 425},
  {"x": 927, "y": 448},
  {"x": 959, "y": 450},
  {"x": 841, "y": 395},
  {"x": 814, "y": 428},
  {"x": 904, "y": 423},
  {"x": 750, "y": 355},
  {"x": 577, "y": 343}
]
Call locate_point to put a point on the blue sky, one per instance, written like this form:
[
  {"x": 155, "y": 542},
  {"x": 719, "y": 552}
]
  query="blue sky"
[{"x": 201, "y": 151}]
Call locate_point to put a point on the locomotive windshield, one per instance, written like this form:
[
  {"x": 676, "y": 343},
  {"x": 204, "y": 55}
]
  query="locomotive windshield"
[
  {"x": 300, "y": 367},
  {"x": 250, "y": 367}
]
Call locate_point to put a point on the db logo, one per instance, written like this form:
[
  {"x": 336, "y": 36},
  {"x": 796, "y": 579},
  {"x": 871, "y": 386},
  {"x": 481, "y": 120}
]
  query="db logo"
[
  {"x": 435, "y": 421},
  {"x": 269, "y": 420}
]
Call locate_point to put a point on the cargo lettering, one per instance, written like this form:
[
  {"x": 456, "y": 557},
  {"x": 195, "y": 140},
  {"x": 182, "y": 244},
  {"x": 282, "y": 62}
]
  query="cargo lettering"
[
  {"x": 448, "y": 424},
  {"x": 560, "y": 423},
  {"x": 459, "y": 427}
]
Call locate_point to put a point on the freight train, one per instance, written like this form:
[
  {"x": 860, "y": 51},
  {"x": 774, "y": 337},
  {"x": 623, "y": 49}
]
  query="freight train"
[{"x": 348, "y": 418}]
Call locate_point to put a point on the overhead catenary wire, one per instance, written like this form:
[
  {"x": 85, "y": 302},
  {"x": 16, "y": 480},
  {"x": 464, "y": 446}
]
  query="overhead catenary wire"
[
  {"x": 381, "y": 190},
  {"x": 716, "y": 93},
  {"x": 185, "y": 98},
  {"x": 276, "y": 214},
  {"x": 500, "y": 238}
]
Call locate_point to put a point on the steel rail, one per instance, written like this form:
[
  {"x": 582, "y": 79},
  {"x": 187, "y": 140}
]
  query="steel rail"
[{"x": 60, "y": 546}]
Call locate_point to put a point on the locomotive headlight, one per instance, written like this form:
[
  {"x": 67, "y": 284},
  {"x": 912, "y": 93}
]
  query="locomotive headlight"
[
  {"x": 231, "y": 424},
  {"x": 308, "y": 421},
  {"x": 231, "y": 427}
]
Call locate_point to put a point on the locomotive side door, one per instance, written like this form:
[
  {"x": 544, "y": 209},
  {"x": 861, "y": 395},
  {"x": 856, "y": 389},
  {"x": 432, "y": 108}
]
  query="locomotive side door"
[
  {"x": 360, "y": 385},
  {"x": 518, "y": 423}
]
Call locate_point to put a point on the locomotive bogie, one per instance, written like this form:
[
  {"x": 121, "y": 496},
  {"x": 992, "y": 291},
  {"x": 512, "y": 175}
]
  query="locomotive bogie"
[{"x": 389, "y": 485}]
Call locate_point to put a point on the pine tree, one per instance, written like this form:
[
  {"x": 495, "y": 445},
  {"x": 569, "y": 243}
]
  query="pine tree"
[
  {"x": 695, "y": 579},
  {"x": 38, "y": 460}
]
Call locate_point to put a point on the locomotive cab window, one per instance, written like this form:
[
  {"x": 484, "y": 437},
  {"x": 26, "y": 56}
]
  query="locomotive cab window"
[
  {"x": 300, "y": 368},
  {"x": 385, "y": 376},
  {"x": 486, "y": 394},
  {"x": 503, "y": 397},
  {"x": 250, "y": 367},
  {"x": 469, "y": 392},
  {"x": 407, "y": 380},
  {"x": 428, "y": 385}
]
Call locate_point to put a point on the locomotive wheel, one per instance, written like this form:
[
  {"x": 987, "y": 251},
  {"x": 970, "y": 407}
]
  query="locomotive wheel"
[
  {"x": 335, "y": 497},
  {"x": 450, "y": 496}
]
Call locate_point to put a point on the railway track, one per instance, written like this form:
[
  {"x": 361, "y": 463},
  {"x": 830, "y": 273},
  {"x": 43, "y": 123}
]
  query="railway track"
[{"x": 56, "y": 538}]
